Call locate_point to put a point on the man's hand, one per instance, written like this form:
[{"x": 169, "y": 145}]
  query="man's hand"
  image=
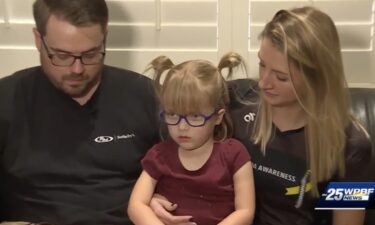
[{"x": 163, "y": 208}]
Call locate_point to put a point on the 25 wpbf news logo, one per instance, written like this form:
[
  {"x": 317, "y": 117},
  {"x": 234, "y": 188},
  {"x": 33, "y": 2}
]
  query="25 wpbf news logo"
[{"x": 348, "y": 195}]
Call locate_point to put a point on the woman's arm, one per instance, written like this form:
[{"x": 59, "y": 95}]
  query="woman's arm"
[
  {"x": 244, "y": 197},
  {"x": 348, "y": 217},
  {"x": 139, "y": 210}
]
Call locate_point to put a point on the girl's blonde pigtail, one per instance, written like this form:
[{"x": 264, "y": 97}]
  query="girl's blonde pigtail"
[
  {"x": 159, "y": 65},
  {"x": 229, "y": 61}
]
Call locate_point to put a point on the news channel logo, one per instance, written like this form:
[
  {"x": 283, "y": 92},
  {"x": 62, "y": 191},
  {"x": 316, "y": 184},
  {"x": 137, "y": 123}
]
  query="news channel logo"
[{"x": 347, "y": 195}]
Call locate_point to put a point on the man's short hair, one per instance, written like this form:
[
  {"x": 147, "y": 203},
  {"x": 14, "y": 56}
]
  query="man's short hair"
[{"x": 76, "y": 12}]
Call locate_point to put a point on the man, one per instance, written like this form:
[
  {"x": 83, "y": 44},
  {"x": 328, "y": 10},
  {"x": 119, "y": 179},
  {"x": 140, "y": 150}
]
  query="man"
[{"x": 73, "y": 130}]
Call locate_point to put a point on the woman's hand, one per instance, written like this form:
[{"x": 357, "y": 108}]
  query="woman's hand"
[{"x": 163, "y": 208}]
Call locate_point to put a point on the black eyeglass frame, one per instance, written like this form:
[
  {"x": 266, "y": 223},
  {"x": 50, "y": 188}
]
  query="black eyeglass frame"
[
  {"x": 180, "y": 117},
  {"x": 75, "y": 57}
]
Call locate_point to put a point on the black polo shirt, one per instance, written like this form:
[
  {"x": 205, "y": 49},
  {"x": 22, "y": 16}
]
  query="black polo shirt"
[{"x": 65, "y": 163}]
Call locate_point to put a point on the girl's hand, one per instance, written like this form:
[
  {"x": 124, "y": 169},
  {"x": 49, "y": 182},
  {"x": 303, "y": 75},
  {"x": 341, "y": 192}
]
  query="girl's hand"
[{"x": 163, "y": 208}]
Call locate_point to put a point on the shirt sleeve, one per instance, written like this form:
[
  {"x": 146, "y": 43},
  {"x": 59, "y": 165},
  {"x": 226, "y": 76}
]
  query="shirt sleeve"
[
  {"x": 236, "y": 154},
  {"x": 153, "y": 162}
]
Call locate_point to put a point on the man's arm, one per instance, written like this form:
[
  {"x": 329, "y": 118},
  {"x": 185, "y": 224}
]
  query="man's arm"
[{"x": 163, "y": 208}]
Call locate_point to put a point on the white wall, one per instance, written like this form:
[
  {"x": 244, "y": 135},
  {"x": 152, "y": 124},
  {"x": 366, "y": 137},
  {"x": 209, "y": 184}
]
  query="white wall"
[{"x": 185, "y": 29}]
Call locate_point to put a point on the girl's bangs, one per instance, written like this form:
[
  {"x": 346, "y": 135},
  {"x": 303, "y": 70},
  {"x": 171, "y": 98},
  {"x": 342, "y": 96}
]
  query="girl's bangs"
[{"x": 183, "y": 95}]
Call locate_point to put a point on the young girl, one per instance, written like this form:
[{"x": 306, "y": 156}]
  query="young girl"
[{"x": 198, "y": 168}]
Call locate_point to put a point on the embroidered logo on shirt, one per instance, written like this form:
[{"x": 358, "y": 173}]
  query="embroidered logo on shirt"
[
  {"x": 106, "y": 139},
  {"x": 103, "y": 139},
  {"x": 249, "y": 117}
]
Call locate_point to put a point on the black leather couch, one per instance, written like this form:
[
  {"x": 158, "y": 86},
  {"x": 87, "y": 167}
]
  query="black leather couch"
[{"x": 362, "y": 105}]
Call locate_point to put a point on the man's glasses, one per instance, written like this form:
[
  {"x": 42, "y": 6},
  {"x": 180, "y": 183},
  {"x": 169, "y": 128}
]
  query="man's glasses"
[
  {"x": 194, "y": 120},
  {"x": 64, "y": 59}
]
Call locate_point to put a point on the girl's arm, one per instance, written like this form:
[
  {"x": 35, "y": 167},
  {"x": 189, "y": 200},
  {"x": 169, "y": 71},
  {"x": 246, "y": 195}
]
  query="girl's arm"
[
  {"x": 139, "y": 210},
  {"x": 348, "y": 217},
  {"x": 244, "y": 197}
]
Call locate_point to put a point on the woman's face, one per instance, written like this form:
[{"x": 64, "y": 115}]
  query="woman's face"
[{"x": 274, "y": 76}]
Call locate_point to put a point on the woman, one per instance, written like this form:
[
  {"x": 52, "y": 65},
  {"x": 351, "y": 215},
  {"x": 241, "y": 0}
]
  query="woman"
[{"x": 301, "y": 135}]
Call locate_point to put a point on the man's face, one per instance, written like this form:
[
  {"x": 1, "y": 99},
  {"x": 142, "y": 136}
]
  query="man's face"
[{"x": 63, "y": 39}]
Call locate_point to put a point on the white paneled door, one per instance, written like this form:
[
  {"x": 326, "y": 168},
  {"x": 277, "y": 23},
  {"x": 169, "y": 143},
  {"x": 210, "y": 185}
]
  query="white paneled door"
[
  {"x": 354, "y": 20},
  {"x": 140, "y": 30}
]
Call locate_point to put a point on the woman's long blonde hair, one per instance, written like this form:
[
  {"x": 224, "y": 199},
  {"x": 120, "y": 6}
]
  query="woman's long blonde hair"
[
  {"x": 193, "y": 85},
  {"x": 309, "y": 39}
]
